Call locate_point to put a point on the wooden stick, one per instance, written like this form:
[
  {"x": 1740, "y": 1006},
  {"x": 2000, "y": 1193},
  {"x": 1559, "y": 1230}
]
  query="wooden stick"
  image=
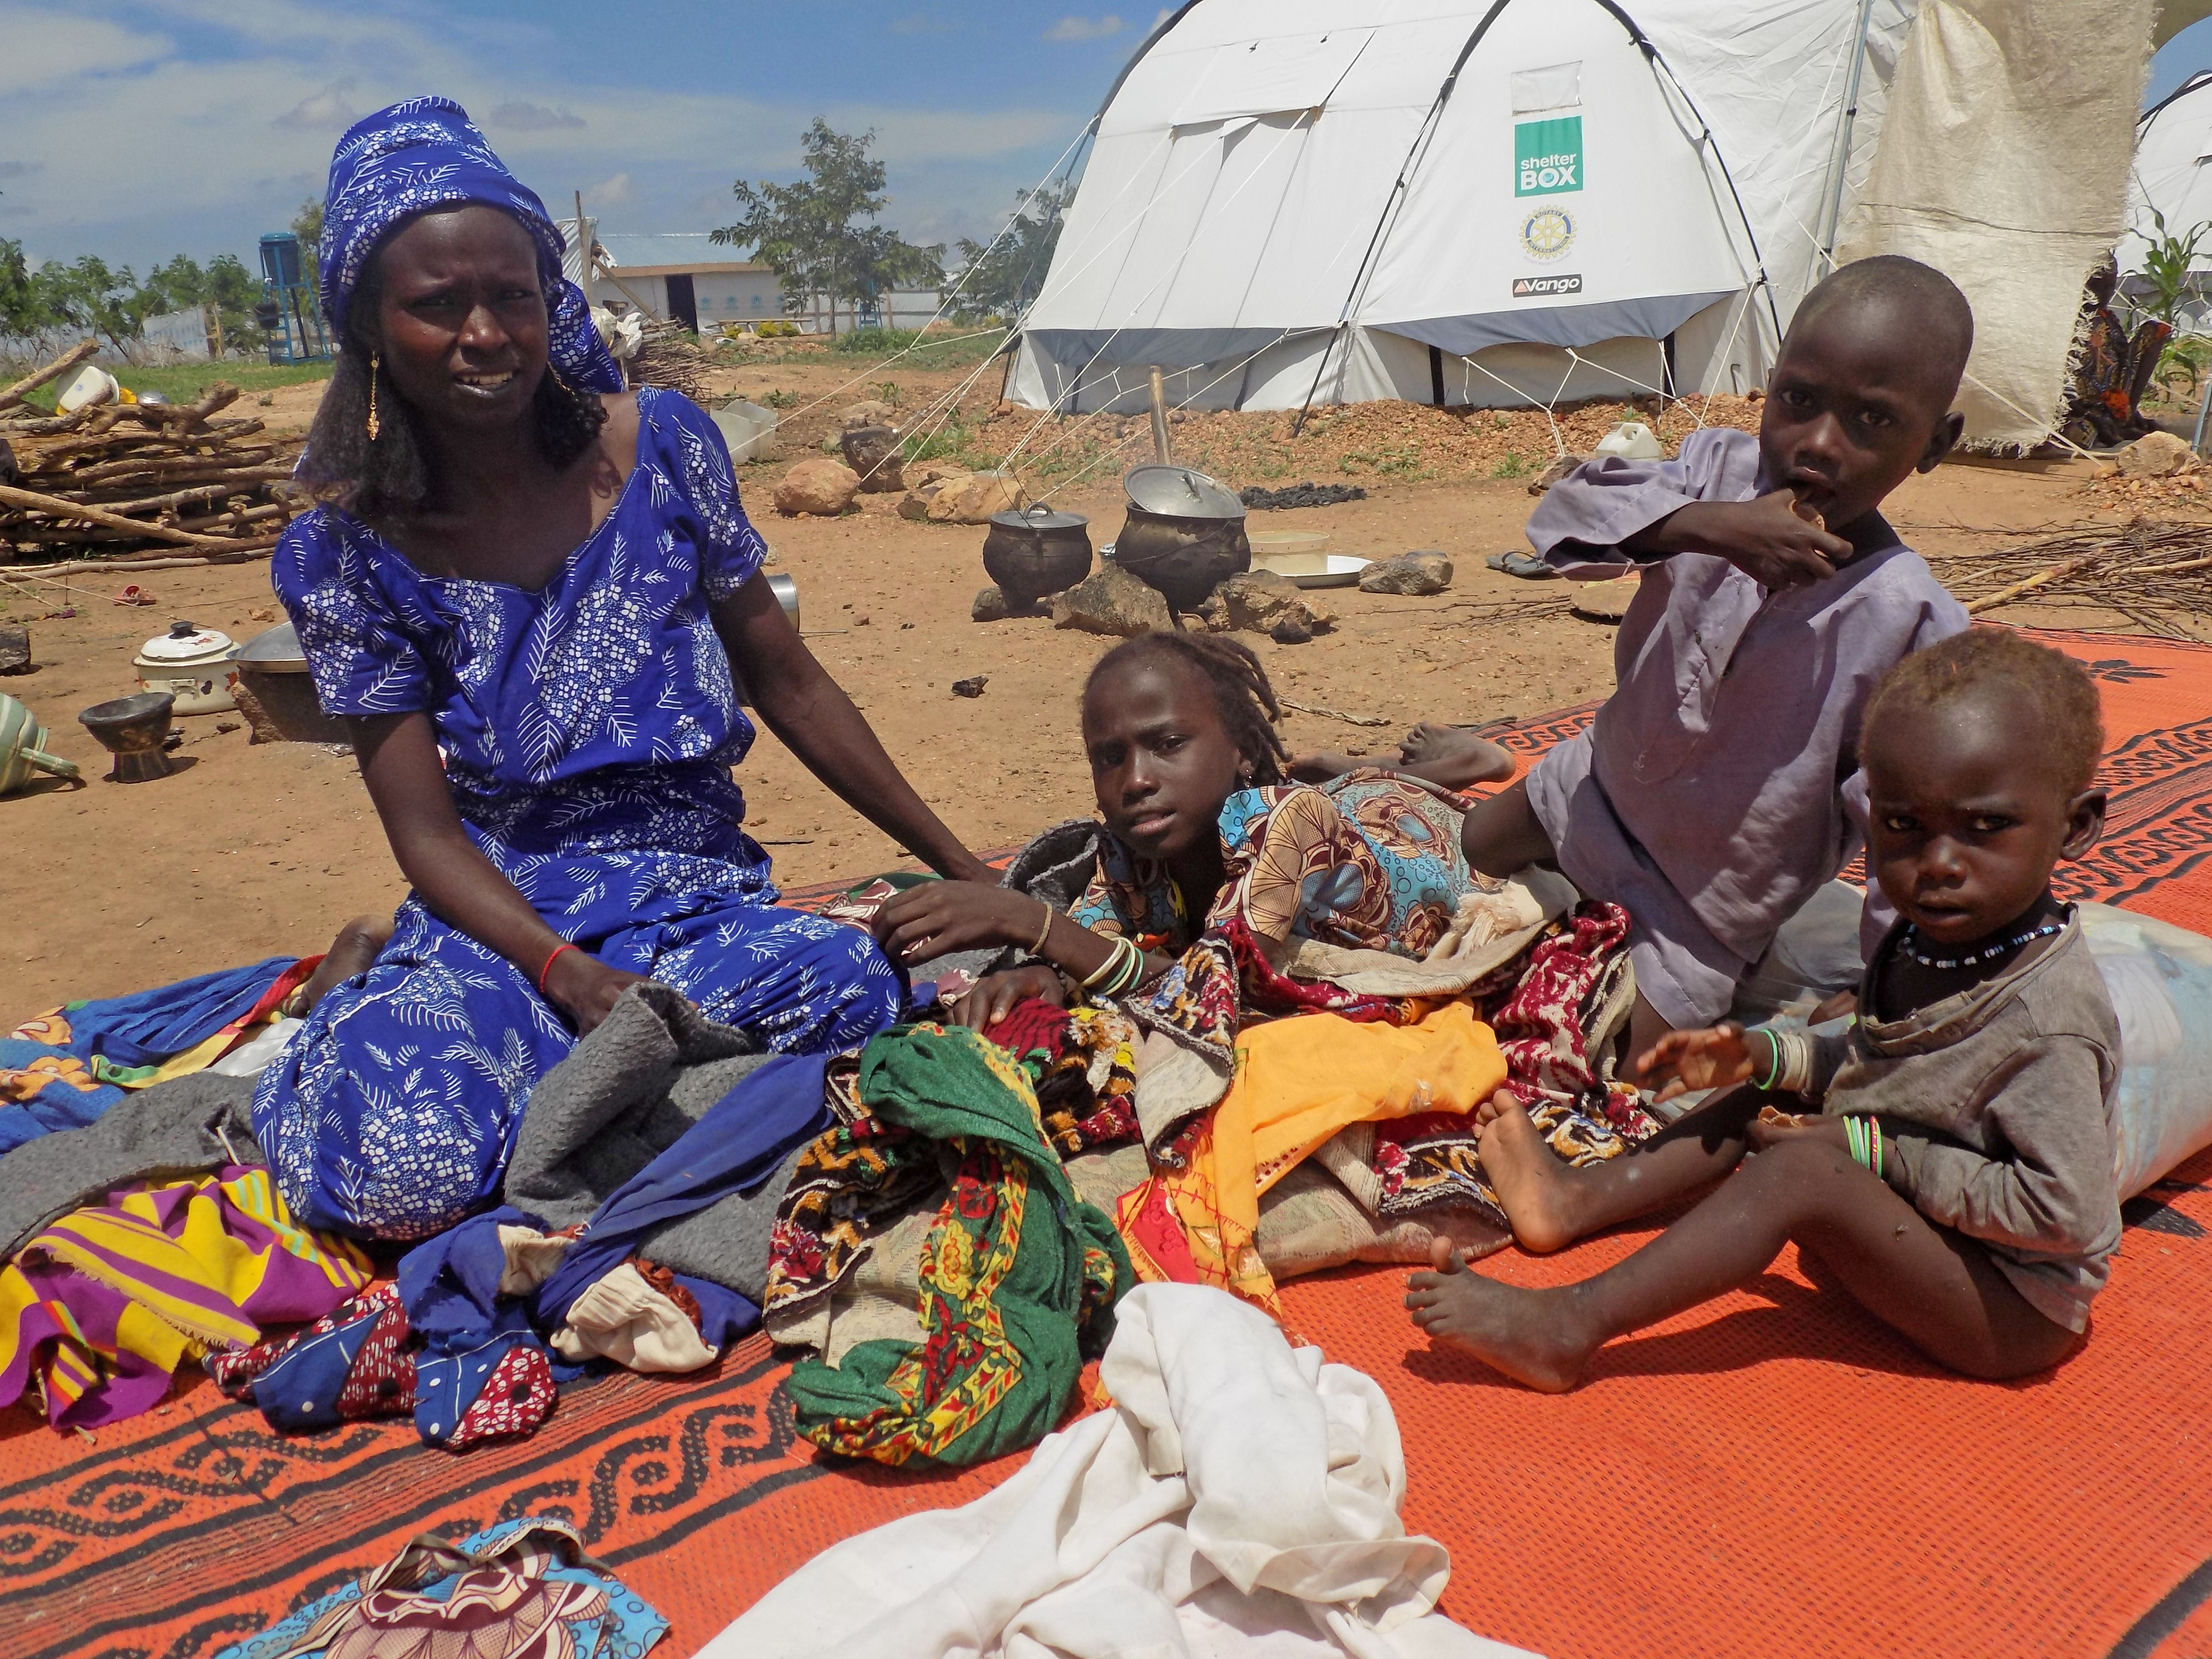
[
  {"x": 61, "y": 365},
  {"x": 54, "y": 507},
  {"x": 229, "y": 483},
  {"x": 239, "y": 553},
  {"x": 1331, "y": 713},
  {"x": 2005, "y": 594}
]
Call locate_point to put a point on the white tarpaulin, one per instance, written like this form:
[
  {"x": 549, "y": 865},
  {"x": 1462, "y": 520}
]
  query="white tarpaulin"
[
  {"x": 2004, "y": 163},
  {"x": 1524, "y": 201},
  {"x": 2173, "y": 174}
]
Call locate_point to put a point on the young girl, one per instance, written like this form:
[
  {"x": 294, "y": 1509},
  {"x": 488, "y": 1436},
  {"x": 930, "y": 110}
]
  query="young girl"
[
  {"x": 1202, "y": 828},
  {"x": 1956, "y": 1176}
]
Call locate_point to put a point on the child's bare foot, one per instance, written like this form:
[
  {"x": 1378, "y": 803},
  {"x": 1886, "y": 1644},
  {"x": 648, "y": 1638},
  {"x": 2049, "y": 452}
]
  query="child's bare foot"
[
  {"x": 1527, "y": 1334},
  {"x": 1452, "y": 757},
  {"x": 1536, "y": 1189},
  {"x": 353, "y": 952}
]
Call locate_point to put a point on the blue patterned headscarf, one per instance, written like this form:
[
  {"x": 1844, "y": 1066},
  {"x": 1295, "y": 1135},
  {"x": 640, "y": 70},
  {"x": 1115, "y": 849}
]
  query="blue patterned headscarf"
[{"x": 423, "y": 153}]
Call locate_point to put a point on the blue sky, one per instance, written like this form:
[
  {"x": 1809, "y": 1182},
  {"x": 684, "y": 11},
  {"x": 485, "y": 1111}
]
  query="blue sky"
[{"x": 137, "y": 131}]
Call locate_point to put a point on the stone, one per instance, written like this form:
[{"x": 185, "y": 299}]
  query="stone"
[
  {"x": 990, "y": 606},
  {"x": 1415, "y": 574},
  {"x": 2157, "y": 455},
  {"x": 920, "y": 475},
  {"x": 1289, "y": 630},
  {"x": 1606, "y": 602},
  {"x": 1558, "y": 469},
  {"x": 14, "y": 650},
  {"x": 1258, "y": 599},
  {"x": 975, "y": 498},
  {"x": 1111, "y": 601},
  {"x": 823, "y": 488},
  {"x": 873, "y": 412},
  {"x": 971, "y": 687},
  {"x": 873, "y": 452}
]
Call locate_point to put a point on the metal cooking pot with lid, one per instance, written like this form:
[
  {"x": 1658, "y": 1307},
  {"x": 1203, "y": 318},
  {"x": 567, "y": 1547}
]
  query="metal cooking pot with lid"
[
  {"x": 1185, "y": 533},
  {"x": 1034, "y": 551}
]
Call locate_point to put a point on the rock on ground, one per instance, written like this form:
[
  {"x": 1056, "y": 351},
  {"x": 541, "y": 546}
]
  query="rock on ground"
[
  {"x": 872, "y": 452},
  {"x": 1415, "y": 574},
  {"x": 1111, "y": 601},
  {"x": 1260, "y": 600},
  {"x": 873, "y": 412},
  {"x": 990, "y": 606},
  {"x": 2157, "y": 455},
  {"x": 14, "y": 650},
  {"x": 822, "y": 489},
  {"x": 974, "y": 499},
  {"x": 1558, "y": 469}
]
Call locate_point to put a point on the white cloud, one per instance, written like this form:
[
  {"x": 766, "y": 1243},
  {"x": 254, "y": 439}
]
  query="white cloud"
[
  {"x": 521, "y": 117},
  {"x": 608, "y": 193},
  {"x": 37, "y": 48},
  {"x": 329, "y": 110},
  {"x": 1083, "y": 28}
]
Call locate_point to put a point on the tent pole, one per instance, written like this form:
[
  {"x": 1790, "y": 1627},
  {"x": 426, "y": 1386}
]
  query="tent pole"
[
  {"x": 1831, "y": 211},
  {"x": 1321, "y": 369}
]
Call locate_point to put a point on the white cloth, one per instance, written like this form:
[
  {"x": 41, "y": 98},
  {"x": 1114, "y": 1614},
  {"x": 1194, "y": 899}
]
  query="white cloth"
[{"x": 1242, "y": 1500}]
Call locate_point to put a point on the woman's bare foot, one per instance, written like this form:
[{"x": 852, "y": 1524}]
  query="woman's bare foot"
[
  {"x": 1536, "y": 1189},
  {"x": 353, "y": 952},
  {"x": 1529, "y": 1335},
  {"x": 1452, "y": 757}
]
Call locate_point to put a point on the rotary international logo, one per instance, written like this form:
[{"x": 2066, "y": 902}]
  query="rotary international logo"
[{"x": 1548, "y": 233}]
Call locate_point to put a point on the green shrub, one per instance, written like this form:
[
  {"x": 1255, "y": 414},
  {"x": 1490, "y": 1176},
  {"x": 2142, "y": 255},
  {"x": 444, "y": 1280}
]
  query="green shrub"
[{"x": 877, "y": 341}]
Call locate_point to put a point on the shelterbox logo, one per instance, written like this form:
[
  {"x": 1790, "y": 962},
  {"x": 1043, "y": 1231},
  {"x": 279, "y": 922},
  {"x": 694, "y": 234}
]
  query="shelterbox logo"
[{"x": 1547, "y": 155}]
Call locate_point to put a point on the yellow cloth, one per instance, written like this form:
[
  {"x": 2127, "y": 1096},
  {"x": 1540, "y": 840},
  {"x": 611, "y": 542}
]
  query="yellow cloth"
[{"x": 1299, "y": 1081}]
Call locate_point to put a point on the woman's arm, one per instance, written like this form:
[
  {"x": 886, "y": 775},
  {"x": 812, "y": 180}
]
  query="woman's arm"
[
  {"x": 462, "y": 888},
  {"x": 938, "y": 916},
  {"x": 817, "y": 721}
]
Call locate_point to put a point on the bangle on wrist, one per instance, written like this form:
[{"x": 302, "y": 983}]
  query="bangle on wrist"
[
  {"x": 549, "y": 960},
  {"x": 1043, "y": 933}
]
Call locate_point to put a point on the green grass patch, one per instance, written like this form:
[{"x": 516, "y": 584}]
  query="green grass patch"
[
  {"x": 181, "y": 383},
  {"x": 1514, "y": 465}
]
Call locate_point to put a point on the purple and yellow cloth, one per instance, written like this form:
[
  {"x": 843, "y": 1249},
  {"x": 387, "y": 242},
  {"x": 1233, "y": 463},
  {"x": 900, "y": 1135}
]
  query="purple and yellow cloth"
[{"x": 100, "y": 1306}]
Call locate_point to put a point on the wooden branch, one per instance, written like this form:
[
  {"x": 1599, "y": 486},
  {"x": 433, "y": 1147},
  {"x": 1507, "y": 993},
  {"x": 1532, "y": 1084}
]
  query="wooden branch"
[
  {"x": 220, "y": 526},
  {"x": 61, "y": 365},
  {"x": 2005, "y": 595},
  {"x": 228, "y": 483},
  {"x": 1331, "y": 713},
  {"x": 54, "y": 507},
  {"x": 239, "y": 554}
]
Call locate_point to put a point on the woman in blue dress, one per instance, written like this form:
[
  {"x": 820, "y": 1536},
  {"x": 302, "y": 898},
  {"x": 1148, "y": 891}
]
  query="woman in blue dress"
[{"x": 526, "y": 593}]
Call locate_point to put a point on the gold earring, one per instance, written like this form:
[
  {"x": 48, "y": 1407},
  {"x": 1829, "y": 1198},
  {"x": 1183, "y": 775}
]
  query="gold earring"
[
  {"x": 557, "y": 380},
  {"x": 375, "y": 426}
]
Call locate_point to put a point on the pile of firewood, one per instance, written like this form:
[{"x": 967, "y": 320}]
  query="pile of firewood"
[
  {"x": 135, "y": 478},
  {"x": 665, "y": 358},
  {"x": 2156, "y": 573}
]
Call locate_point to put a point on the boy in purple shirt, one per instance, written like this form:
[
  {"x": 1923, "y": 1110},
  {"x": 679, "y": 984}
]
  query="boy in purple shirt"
[{"x": 1718, "y": 787}]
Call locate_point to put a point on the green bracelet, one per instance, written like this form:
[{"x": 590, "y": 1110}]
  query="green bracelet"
[{"x": 1774, "y": 1057}]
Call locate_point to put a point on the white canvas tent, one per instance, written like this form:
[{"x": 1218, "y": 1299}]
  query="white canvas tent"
[
  {"x": 2174, "y": 172},
  {"x": 1327, "y": 201}
]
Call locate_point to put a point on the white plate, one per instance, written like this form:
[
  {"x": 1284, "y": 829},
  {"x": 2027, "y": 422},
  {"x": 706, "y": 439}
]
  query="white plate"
[{"x": 1343, "y": 571}]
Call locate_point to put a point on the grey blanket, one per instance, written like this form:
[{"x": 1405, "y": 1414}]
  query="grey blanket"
[
  {"x": 181, "y": 1128},
  {"x": 625, "y": 1094}
]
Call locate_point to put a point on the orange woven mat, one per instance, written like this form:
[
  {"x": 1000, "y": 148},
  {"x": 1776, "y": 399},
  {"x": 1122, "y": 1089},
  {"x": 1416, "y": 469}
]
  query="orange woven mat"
[{"x": 1771, "y": 1474}]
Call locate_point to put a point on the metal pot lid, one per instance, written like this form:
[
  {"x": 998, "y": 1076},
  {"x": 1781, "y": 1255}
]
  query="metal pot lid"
[
  {"x": 1178, "y": 492},
  {"x": 186, "y": 642},
  {"x": 1039, "y": 518},
  {"x": 274, "y": 651}
]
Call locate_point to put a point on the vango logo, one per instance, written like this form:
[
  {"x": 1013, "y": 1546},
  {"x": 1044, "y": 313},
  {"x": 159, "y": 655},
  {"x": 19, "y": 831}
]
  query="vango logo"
[{"x": 1532, "y": 287}]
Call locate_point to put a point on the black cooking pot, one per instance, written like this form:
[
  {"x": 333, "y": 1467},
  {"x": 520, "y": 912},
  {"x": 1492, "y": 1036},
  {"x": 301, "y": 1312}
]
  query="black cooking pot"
[
  {"x": 1184, "y": 535},
  {"x": 1036, "y": 551}
]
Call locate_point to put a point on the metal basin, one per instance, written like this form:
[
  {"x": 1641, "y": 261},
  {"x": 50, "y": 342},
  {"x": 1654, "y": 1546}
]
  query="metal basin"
[{"x": 133, "y": 729}]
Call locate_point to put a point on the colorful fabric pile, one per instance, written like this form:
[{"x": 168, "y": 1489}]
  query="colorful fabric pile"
[
  {"x": 98, "y": 1308},
  {"x": 1017, "y": 1276},
  {"x": 522, "y": 1589}
]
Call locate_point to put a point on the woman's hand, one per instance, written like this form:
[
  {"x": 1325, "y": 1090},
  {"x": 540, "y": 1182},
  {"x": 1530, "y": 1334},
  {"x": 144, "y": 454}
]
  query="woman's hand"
[
  {"x": 995, "y": 995},
  {"x": 585, "y": 988},
  {"x": 1684, "y": 1060},
  {"x": 939, "y": 916},
  {"x": 1771, "y": 1127}
]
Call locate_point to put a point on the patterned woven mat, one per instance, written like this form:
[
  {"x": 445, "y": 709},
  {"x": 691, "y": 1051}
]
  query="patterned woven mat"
[{"x": 1771, "y": 1474}]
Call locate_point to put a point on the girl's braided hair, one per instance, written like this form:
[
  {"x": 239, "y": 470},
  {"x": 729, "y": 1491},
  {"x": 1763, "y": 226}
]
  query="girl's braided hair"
[
  {"x": 386, "y": 479},
  {"x": 1232, "y": 674}
]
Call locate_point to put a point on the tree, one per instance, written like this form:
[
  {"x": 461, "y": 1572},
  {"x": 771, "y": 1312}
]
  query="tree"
[
  {"x": 819, "y": 237},
  {"x": 23, "y": 309},
  {"x": 87, "y": 295},
  {"x": 307, "y": 225},
  {"x": 1000, "y": 280},
  {"x": 2166, "y": 281}
]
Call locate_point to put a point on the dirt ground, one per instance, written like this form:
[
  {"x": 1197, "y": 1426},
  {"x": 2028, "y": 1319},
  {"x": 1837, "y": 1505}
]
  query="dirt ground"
[{"x": 255, "y": 850}]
